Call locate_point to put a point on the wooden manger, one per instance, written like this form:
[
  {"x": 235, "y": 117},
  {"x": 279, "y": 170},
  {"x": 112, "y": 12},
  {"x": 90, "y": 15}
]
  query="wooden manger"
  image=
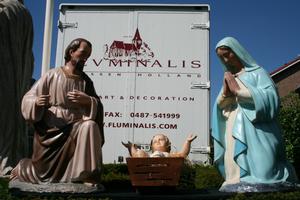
[{"x": 154, "y": 173}]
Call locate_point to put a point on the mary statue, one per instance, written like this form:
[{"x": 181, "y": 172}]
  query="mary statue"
[{"x": 249, "y": 149}]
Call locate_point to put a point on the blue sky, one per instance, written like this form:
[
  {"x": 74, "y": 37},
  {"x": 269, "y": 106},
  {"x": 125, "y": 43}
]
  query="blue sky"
[{"x": 268, "y": 29}]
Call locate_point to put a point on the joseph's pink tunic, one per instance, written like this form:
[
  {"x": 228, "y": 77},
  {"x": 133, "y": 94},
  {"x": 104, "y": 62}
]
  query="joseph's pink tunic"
[{"x": 68, "y": 138}]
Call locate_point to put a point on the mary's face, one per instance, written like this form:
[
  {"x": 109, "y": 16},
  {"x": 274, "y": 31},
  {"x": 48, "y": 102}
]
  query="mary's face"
[{"x": 230, "y": 60}]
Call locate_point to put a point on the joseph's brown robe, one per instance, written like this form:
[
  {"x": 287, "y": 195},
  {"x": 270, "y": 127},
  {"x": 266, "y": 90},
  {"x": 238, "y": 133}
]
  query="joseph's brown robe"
[{"x": 68, "y": 138}]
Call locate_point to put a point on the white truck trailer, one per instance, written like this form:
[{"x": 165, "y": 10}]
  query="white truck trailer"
[{"x": 150, "y": 67}]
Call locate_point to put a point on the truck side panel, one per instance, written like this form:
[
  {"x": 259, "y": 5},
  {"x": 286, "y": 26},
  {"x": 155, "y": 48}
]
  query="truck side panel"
[{"x": 150, "y": 67}]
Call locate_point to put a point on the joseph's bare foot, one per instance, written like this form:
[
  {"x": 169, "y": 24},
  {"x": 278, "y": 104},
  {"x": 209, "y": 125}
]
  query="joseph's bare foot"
[
  {"x": 89, "y": 184},
  {"x": 99, "y": 186}
]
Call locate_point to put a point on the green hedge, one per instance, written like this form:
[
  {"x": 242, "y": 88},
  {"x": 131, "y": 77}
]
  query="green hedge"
[
  {"x": 289, "y": 118},
  {"x": 115, "y": 178}
]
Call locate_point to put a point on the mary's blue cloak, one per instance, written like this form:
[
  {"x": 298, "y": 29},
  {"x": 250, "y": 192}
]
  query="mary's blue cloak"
[{"x": 259, "y": 148}]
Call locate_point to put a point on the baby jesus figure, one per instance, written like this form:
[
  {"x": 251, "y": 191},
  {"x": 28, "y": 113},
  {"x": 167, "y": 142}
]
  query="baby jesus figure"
[{"x": 161, "y": 147}]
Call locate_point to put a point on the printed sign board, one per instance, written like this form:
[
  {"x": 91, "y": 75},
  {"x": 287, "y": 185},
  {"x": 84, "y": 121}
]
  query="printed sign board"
[{"x": 150, "y": 67}]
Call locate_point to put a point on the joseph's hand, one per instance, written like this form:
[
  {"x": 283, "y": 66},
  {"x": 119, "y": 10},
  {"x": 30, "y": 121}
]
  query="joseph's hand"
[
  {"x": 42, "y": 100},
  {"x": 79, "y": 97}
]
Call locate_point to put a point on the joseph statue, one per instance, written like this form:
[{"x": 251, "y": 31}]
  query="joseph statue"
[{"x": 68, "y": 118}]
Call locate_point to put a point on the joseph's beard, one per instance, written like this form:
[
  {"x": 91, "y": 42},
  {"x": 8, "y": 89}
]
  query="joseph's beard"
[{"x": 79, "y": 64}]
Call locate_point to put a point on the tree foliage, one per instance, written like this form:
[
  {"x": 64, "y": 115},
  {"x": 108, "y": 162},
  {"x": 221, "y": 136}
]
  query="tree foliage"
[{"x": 289, "y": 118}]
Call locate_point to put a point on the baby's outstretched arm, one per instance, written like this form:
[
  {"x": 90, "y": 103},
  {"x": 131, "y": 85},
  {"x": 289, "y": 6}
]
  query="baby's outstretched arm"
[
  {"x": 134, "y": 151},
  {"x": 186, "y": 146},
  {"x": 131, "y": 147}
]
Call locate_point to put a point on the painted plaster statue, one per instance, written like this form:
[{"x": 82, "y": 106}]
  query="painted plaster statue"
[
  {"x": 16, "y": 67},
  {"x": 248, "y": 146},
  {"x": 161, "y": 147},
  {"x": 68, "y": 118}
]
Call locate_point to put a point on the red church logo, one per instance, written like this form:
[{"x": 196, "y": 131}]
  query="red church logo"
[{"x": 137, "y": 49}]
